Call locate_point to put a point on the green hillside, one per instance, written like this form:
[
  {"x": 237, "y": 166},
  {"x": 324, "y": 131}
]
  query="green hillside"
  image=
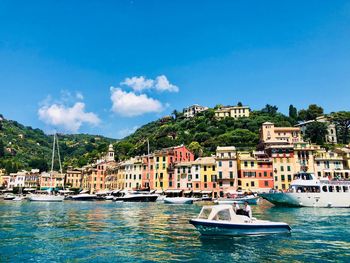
[
  {"x": 25, "y": 147},
  {"x": 202, "y": 133}
]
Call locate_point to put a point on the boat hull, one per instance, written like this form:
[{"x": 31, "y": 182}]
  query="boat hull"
[
  {"x": 308, "y": 199},
  {"x": 143, "y": 198},
  {"x": 230, "y": 201},
  {"x": 84, "y": 197},
  {"x": 47, "y": 198},
  {"x": 178, "y": 201},
  {"x": 208, "y": 228}
]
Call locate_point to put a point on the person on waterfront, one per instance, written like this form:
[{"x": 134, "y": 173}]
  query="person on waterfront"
[
  {"x": 247, "y": 209},
  {"x": 236, "y": 207}
]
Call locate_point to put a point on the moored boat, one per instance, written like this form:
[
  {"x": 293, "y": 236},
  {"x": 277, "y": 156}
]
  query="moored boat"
[
  {"x": 9, "y": 196},
  {"x": 221, "y": 220},
  {"x": 307, "y": 191},
  {"x": 84, "y": 197},
  {"x": 138, "y": 197},
  {"x": 178, "y": 200},
  {"x": 45, "y": 198},
  {"x": 251, "y": 199}
]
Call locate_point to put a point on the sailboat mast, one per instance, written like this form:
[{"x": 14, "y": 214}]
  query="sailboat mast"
[
  {"x": 148, "y": 163},
  {"x": 53, "y": 152},
  {"x": 59, "y": 156}
]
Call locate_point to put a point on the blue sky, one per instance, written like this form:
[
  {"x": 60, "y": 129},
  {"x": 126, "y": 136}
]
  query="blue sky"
[{"x": 59, "y": 59}]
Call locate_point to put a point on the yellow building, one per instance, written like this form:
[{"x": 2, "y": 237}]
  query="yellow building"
[
  {"x": 74, "y": 178},
  {"x": 232, "y": 111},
  {"x": 207, "y": 175},
  {"x": 161, "y": 179},
  {"x": 283, "y": 164},
  {"x": 304, "y": 157}
]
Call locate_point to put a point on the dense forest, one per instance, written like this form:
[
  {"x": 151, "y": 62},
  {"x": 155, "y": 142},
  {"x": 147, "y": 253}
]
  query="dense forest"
[{"x": 24, "y": 147}]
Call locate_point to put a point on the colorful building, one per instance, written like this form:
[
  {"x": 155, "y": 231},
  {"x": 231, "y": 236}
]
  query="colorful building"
[
  {"x": 271, "y": 135},
  {"x": 255, "y": 172},
  {"x": 330, "y": 165},
  {"x": 74, "y": 178},
  {"x": 226, "y": 164}
]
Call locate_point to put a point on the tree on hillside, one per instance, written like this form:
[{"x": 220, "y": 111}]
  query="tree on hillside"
[
  {"x": 342, "y": 122},
  {"x": 311, "y": 113},
  {"x": 293, "y": 112},
  {"x": 2, "y": 151},
  {"x": 316, "y": 132},
  {"x": 196, "y": 149},
  {"x": 239, "y": 104},
  {"x": 40, "y": 164},
  {"x": 270, "y": 109}
]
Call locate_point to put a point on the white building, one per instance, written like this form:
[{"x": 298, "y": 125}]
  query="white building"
[
  {"x": 331, "y": 137},
  {"x": 191, "y": 111}
]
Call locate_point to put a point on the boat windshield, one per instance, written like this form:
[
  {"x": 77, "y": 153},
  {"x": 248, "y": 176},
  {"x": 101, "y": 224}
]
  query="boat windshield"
[
  {"x": 303, "y": 176},
  {"x": 205, "y": 213},
  {"x": 223, "y": 215}
]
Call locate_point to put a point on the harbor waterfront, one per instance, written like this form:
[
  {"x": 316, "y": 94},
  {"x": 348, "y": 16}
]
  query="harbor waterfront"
[{"x": 74, "y": 231}]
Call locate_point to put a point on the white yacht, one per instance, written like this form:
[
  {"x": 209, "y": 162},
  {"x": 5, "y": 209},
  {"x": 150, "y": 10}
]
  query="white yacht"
[{"x": 307, "y": 190}]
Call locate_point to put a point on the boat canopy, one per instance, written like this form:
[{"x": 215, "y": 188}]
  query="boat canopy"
[{"x": 206, "y": 192}]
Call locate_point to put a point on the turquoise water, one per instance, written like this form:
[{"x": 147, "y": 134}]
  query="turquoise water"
[{"x": 156, "y": 232}]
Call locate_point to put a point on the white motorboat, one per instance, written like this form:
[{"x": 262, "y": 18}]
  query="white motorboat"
[
  {"x": 161, "y": 198},
  {"x": 251, "y": 199},
  {"x": 84, "y": 197},
  {"x": 45, "y": 198},
  {"x": 109, "y": 197},
  {"x": 18, "y": 198},
  {"x": 178, "y": 200},
  {"x": 308, "y": 191},
  {"x": 221, "y": 220},
  {"x": 9, "y": 196}
]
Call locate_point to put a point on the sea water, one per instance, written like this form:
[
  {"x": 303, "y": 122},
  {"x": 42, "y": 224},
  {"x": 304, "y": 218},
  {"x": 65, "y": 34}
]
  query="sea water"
[{"x": 74, "y": 231}]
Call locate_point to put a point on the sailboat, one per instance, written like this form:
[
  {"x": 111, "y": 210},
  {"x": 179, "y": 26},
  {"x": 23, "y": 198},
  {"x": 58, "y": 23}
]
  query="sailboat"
[{"x": 50, "y": 197}]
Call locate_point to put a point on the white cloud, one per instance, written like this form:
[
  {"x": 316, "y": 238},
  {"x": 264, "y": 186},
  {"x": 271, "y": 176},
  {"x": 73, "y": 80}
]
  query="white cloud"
[
  {"x": 161, "y": 83},
  {"x": 130, "y": 104},
  {"x": 127, "y": 131},
  {"x": 69, "y": 118},
  {"x": 138, "y": 83}
]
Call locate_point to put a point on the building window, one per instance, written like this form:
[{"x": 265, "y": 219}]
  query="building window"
[
  {"x": 205, "y": 185},
  {"x": 245, "y": 164},
  {"x": 282, "y": 177},
  {"x": 289, "y": 178},
  {"x": 266, "y": 183},
  {"x": 205, "y": 178},
  {"x": 282, "y": 168},
  {"x": 288, "y": 168},
  {"x": 231, "y": 183},
  {"x": 220, "y": 175},
  {"x": 252, "y": 183},
  {"x": 231, "y": 175},
  {"x": 230, "y": 164},
  {"x": 276, "y": 178},
  {"x": 170, "y": 184}
]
